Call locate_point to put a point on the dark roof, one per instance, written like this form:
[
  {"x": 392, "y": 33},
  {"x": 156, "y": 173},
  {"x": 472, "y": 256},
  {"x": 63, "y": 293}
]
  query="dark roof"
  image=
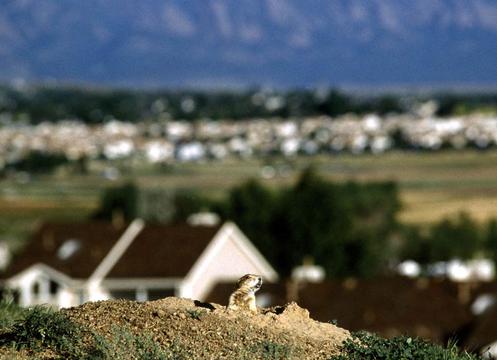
[
  {"x": 389, "y": 306},
  {"x": 95, "y": 239},
  {"x": 163, "y": 251},
  {"x": 483, "y": 331},
  {"x": 157, "y": 251}
]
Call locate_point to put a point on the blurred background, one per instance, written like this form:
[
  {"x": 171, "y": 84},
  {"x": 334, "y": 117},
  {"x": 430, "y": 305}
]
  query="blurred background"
[{"x": 353, "y": 142}]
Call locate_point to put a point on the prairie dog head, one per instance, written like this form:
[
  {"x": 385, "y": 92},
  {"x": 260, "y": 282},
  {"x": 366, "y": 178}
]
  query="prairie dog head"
[{"x": 250, "y": 283}]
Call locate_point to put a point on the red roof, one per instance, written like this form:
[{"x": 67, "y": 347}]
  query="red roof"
[
  {"x": 157, "y": 251},
  {"x": 163, "y": 251},
  {"x": 390, "y": 306},
  {"x": 483, "y": 331},
  {"x": 92, "y": 242}
]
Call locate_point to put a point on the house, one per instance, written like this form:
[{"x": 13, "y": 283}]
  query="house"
[{"x": 68, "y": 264}]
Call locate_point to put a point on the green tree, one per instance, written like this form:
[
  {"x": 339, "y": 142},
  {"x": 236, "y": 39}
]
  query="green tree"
[
  {"x": 344, "y": 227},
  {"x": 491, "y": 240},
  {"x": 252, "y": 207},
  {"x": 415, "y": 245},
  {"x": 187, "y": 202},
  {"x": 39, "y": 162},
  {"x": 312, "y": 219},
  {"x": 458, "y": 238},
  {"x": 119, "y": 200}
]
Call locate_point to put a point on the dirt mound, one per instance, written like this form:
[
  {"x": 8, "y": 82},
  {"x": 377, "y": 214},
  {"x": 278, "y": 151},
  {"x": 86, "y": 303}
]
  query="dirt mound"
[{"x": 209, "y": 331}]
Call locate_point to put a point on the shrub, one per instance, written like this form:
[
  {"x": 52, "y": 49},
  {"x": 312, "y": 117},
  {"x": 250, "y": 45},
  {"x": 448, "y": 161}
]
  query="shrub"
[
  {"x": 39, "y": 162},
  {"x": 196, "y": 314},
  {"x": 10, "y": 313},
  {"x": 43, "y": 327},
  {"x": 366, "y": 346}
]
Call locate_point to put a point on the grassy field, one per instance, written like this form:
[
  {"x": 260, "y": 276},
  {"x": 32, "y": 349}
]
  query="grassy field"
[{"x": 432, "y": 185}]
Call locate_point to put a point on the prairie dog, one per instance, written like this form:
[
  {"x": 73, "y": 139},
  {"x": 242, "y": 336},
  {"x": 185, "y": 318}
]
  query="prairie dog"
[{"x": 243, "y": 298}]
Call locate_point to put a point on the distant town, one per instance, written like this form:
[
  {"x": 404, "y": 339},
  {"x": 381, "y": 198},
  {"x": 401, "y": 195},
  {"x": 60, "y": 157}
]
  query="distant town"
[{"x": 182, "y": 141}]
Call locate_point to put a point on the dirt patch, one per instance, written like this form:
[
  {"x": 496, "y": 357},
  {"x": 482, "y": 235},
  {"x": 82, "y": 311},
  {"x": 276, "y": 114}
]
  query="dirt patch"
[{"x": 209, "y": 331}]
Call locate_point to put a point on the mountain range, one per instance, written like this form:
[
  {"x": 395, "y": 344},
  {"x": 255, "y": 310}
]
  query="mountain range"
[{"x": 232, "y": 43}]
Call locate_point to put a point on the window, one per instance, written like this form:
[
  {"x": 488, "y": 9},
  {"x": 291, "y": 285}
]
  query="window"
[
  {"x": 53, "y": 287},
  {"x": 36, "y": 288}
]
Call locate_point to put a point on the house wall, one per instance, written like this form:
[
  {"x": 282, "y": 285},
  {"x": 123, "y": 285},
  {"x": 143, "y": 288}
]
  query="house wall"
[
  {"x": 35, "y": 287},
  {"x": 227, "y": 263}
]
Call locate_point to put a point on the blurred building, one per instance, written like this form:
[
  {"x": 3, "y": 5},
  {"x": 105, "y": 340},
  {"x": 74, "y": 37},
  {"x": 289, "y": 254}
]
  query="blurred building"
[
  {"x": 181, "y": 141},
  {"x": 68, "y": 264}
]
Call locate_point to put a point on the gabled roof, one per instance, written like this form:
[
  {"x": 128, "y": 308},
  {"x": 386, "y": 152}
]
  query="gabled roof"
[
  {"x": 74, "y": 249},
  {"x": 158, "y": 251},
  {"x": 163, "y": 251}
]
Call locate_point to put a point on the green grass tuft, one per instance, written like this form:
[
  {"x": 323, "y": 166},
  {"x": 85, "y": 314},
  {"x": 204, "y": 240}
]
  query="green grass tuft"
[
  {"x": 44, "y": 328},
  {"x": 196, "y": 314},
  {"x": 10, "y": 313},
  {"x": 366, "y": 346},
  {"x": 268, "y": 350}
]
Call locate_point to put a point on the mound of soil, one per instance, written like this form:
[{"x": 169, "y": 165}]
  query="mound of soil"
[{"x": 209, "y": 331}]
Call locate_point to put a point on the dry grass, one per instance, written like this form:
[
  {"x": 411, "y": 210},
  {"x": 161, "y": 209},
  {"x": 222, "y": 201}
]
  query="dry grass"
[
  {"x": 428, "y": 206},
  {"x": 432, "y": 185}
]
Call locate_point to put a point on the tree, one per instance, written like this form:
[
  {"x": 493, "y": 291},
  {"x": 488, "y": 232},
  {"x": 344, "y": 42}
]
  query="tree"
[
  {"x": 121, "y": 200},
  {"x": 457, "y": 238},
  {"x": 491, "y": 240},
  {"x": 415, "y": 245},
  {"x": 312, "y": 219},
  {"x": 39, "y": 162},
  {"x": 251, "y": 206},
  {"x": 187, "y": 202},
  {"x": 344, "y": 227}
]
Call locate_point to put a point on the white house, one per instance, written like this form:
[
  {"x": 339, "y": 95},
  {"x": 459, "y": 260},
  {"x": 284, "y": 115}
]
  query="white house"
[{"x": 68, "y": 264}]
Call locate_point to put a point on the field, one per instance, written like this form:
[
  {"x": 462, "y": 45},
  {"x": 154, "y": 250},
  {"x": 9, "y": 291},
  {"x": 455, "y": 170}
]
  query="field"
[{"x": 432, "y": 185}]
